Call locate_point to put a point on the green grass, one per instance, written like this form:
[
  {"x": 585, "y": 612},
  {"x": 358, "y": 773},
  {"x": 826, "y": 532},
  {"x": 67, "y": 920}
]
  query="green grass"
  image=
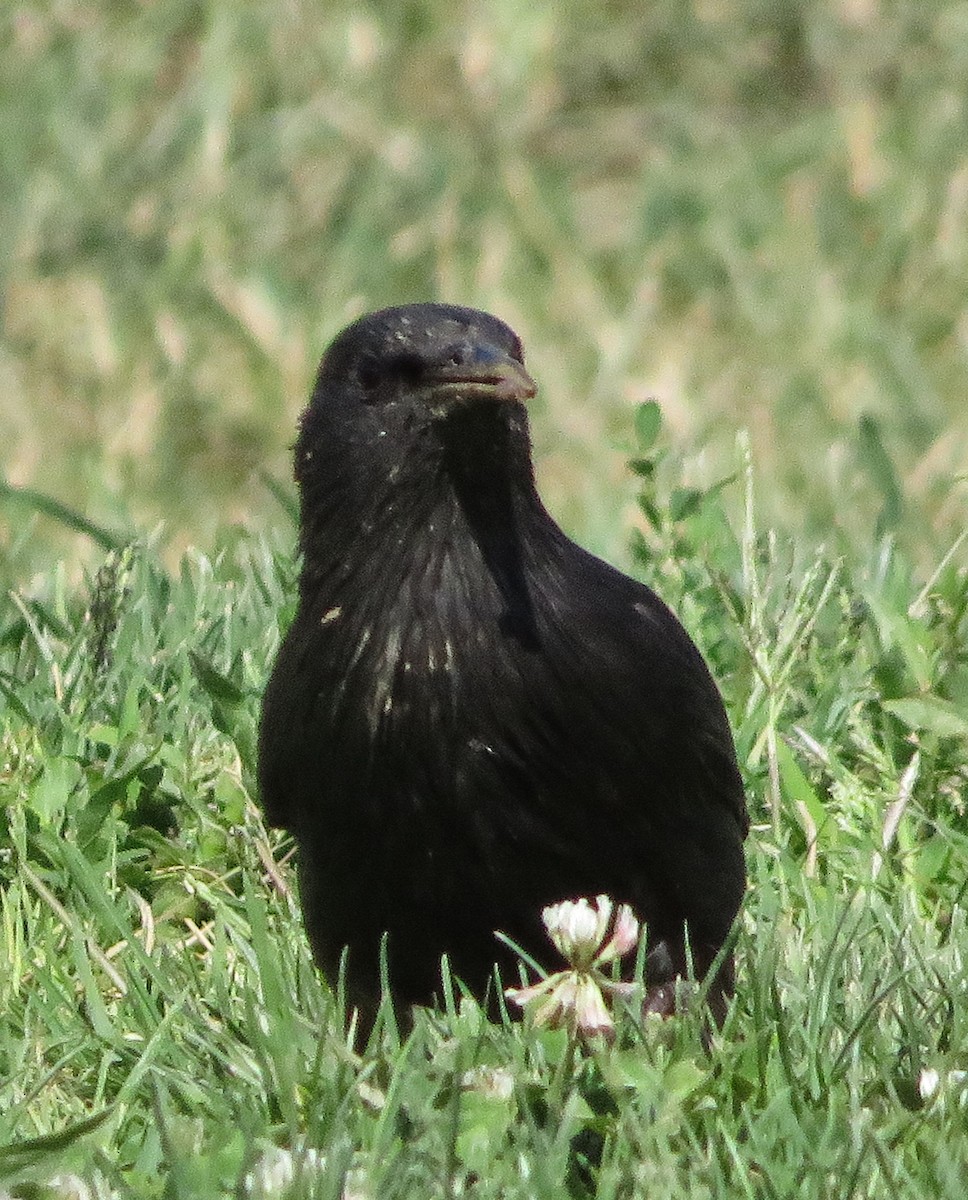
[
  {"x": 756, "y": 214},
  {"x": 161, "y": 1024}
]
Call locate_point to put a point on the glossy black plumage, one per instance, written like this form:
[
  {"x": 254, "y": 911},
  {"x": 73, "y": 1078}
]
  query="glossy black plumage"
[{"x": 471, "y": 717}]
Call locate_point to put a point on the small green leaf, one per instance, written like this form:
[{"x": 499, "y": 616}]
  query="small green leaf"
[
  {"x": 631, "y": 1070},
  {"x": 796, "y": 785},
  {"x": 217, "y": 685},
  {"x": 90, "y": 817},
  {"x": 648, "y": 421},
  {"x": 930, "y": 714},
  {"x": 682, "y": 1078},
  {"x": 52, "y": 789},
  {"x": 684, "y": 502},
  {"x": 876, "y": 460},
  {"x": 933, "y": 859},
  {"x": 484, "y": 1123}
]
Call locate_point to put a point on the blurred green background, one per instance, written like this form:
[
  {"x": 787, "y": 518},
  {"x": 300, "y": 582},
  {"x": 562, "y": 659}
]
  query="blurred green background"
[{"x": 755, "y": 211}]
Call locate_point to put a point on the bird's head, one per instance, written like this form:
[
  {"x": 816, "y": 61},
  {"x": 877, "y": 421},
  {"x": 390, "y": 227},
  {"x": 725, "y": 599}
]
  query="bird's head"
[
  {"x": 413, "y": 407},
  {"x": 428, "y": 359}
]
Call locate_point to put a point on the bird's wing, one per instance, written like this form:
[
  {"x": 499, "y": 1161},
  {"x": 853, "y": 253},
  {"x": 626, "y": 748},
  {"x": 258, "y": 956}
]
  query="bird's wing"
[{"x": 289, "y": 748}]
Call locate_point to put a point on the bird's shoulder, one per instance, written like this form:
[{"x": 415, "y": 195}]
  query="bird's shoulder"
[
  {"x": 615, "y": 654},
  {"x": 617, "y": 618}
]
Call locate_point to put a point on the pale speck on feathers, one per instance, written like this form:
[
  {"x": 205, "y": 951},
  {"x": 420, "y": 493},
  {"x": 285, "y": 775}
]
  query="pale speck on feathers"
[
  {"x": 392, "y": 651},
  {"x": 361, "y": 646},
  {"x": 331, "y": 614}
]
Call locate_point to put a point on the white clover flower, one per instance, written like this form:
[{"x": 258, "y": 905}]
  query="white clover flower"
[
  {"x": 574, "y": 999},
  {"x": 275, "y": 1171},
  {"x": 578, "y": 929},
  {"x": 625, "y": 936},
  {"x": 70, "y": 1187},
  {"x": 953, "y": 1085},
  {"x": 496, "y": 1083},
  {"x": 591, "y": 1015}
]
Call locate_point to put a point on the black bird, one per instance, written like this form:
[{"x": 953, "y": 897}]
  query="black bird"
[{"x": 471, "y": 717}]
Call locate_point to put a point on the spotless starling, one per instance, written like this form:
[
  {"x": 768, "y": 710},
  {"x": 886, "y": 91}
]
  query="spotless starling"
[{"x": 471, "y": 717}]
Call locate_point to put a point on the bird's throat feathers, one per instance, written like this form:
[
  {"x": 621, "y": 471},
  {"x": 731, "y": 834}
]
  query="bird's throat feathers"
[
  {"x": 395, "y": 499},
  {"x": 427, "y": 565}
]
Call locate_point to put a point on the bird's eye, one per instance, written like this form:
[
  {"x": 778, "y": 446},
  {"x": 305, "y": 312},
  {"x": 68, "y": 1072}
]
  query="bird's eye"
[
  {"x": 369, "y": 375},
  {"x": 378, "y": 376},
  {"x": 457, "y": 358},
  {"x": 408, "y": 368}
]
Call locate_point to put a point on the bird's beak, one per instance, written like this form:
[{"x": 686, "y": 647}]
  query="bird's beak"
[{"x": 481, "y": 373}]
